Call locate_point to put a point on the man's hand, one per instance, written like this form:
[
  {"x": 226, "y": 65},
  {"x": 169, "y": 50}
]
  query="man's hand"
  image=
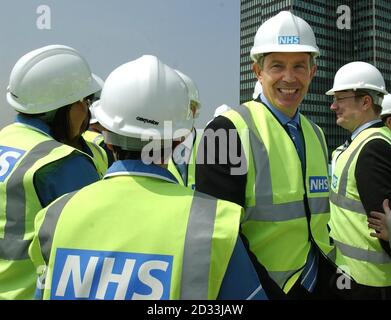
[{"x": 378, "y": 222}]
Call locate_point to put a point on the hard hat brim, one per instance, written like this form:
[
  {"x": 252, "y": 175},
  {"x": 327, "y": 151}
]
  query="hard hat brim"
[
  {"x": 93, "y": 87},
  {"x": 354, "y": 87},
  {"x": 261, "y": 50}
]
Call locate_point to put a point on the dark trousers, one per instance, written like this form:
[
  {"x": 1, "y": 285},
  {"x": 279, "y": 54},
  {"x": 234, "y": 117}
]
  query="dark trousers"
[
  {"x": 334, "y": 285},
  {"x": 323, "y": 290}
]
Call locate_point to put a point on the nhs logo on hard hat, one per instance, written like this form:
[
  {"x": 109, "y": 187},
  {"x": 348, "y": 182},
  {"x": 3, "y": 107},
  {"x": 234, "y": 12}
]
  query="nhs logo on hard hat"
[
  {"x": 8, "y": 158},
  {"x": 90, "y": 274},
  {"x": 288, "y": 40},
  {"x": 319, "y": 184}
]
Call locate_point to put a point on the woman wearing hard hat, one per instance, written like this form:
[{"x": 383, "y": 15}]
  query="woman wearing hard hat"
[{"x": 42, "y": 155}]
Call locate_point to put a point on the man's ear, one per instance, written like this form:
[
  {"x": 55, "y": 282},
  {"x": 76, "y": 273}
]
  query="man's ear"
[
  {"x": 314, "y": 68},
  {"x": 367, "y": 100},
  {"x": 257, "y": 70}
]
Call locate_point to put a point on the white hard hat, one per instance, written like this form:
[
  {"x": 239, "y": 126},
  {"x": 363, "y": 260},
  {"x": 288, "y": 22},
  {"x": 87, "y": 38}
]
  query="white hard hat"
[
  {"x": 101, "y": 83},
  {"x": 193, "y": 91},
  {"x": 49, "y": 78},
  {"x": 386, "y": 105},
  {"x": 221, "y": 109},
  {"x": 92, "y": 111},
  {"x": 284, "y": 32},
  {"x": 257, "y": 90},
  {"x": 96, "y": 97},
  {"x": 358, "y": 75},
  {"x": 139, "y": 96}
]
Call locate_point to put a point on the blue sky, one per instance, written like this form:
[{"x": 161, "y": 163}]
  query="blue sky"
[{"x": 199, "y": 37}]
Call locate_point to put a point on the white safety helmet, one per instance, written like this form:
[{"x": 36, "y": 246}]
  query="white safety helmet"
[
  {"x": 386, "y": 105},
  {"x": 139, "y": 96},
  {"x": 359, "y": 75},
  {"x": 284, "y": 32},
  {"x": 49, "y": 78},
  {"x": 101, "y": 83},
  {"x": 93, "y": 118},
  {"x": 221, "y": 109},
  {"x": 96, "y": 97},
  {"x": 194, "y": 94},
  {"x": 257, "y": 90}
]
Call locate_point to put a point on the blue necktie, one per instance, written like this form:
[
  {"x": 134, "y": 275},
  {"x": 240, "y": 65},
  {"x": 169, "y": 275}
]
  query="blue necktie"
[
  {"x": 310, "y": 272},
  {"x": 297, "y": 140}
]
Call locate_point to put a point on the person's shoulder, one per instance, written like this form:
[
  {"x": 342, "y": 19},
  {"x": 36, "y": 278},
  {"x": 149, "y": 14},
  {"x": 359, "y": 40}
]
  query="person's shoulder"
[
  {"x": 222, "y": 203},
  {"x": 220, "y": 122},
  {"x": 72, "y": 163},
  {"x": 377, "y": 146}
]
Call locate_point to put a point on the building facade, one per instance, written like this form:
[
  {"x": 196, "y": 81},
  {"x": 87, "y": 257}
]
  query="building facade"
[{"x": 353, "y": 30}]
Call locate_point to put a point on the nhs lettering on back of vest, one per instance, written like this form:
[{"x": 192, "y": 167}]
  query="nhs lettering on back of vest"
[
  {"x": 288, "y": 40},
  {"x": 8, "y": 158},
  {"x": 106, "y": 275},
  {"x": 318, "y": 184}
]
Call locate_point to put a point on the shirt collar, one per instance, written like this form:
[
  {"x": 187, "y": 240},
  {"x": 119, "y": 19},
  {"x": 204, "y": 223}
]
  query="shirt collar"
[
  {"x": 34, "y": 123},
  {"x": 284, "y": 119},
  {"x": 189, "y": 140},
  {"x": 183, "y": 150},
  {"x": 139, "y": 168},
  {"x": 363, "y": 127}
]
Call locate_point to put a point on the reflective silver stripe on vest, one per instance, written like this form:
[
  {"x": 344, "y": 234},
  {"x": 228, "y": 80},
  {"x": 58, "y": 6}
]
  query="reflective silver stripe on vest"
[
  {"x": 364, "y": 255},
  {"x": 265, "y": 209},
  {"x": 97, "y": 138},
  {"x": 339, "y": 199},
  {"x": 347, "y": 203},
  {"x": 99, "y": 149},
  {"x": 46, "y": 232},
  {"x": 197, "y": 250},
  {"x": 12, "y": 246}
]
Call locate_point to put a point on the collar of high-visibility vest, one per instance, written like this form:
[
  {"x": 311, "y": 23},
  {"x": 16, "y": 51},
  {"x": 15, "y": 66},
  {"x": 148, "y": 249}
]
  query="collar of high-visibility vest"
[
  {"x": 33, "y": 123},
  {"x": 139, "y": 168},
  {"x": 363, "y": 127}
]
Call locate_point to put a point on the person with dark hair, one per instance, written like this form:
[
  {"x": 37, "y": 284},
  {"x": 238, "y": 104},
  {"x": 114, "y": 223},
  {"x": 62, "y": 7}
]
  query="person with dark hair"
[
  {"x": 103, "y": 157},
  {"x": 42, "y": 154},
  {"x": 182, "y": 162}
]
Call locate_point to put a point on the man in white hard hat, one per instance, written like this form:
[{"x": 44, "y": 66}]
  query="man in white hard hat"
[
  {"x": 361, "y": 175},
  {"x": 42, "y": 154},
  {"x": 386, "y": 111},
  {"x": 102, "y": 155},
  {"x": 160, "y": 240},
  {"x": 277, "y": 162},
  {"x": 182, "y": 163}
]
